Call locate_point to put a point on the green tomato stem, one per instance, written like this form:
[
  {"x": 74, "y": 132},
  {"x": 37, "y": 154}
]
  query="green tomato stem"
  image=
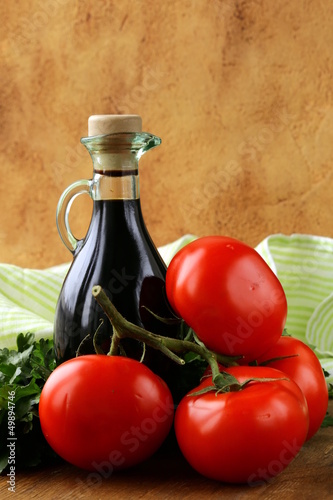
[
  {"x": 123, "y": 328},
  {"x": 114, "y": 348},
  {"x": 96, "y": 344}
]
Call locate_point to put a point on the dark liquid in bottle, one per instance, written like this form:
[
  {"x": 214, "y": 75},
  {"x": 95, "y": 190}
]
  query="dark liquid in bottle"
[{"x": 118, "y": 255}]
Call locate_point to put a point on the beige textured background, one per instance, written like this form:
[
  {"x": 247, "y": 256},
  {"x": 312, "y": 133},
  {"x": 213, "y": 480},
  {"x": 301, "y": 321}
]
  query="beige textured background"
[{"x": 239, "y": 90}]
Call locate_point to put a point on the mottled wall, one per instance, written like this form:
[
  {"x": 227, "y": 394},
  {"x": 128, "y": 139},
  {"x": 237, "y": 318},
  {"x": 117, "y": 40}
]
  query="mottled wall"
[{"x": 239, "y": 90}]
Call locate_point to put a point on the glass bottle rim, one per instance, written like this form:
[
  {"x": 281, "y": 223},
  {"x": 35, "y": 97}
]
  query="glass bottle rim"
[{"x": 136, "y": 142}]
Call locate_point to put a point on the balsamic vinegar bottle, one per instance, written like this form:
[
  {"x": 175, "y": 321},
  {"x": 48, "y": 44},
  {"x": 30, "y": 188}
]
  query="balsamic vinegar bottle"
[{"x": 117, "y": 252}]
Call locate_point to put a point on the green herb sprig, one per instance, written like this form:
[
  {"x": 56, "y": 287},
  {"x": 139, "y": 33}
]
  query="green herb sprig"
[{"x": 24, "y": 371}]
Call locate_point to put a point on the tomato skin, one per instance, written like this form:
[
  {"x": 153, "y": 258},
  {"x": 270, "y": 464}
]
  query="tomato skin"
[
  {"x": 247, "y": 436},
  {"x": 305, "y": 369},
  {"x": 227, "y": 293},
  {"x": 105, "y": 412}
]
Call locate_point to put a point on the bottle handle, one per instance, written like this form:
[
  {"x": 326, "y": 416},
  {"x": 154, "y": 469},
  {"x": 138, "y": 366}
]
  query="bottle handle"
[{"x": 63, "y": 208}]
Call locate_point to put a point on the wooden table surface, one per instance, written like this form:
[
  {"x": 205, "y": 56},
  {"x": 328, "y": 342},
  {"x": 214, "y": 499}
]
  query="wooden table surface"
[{"x": 168, "y": 476}]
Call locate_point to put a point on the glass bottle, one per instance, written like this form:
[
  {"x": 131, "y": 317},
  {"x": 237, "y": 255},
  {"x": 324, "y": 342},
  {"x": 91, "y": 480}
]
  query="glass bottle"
[{"x": 117, "y": 253}]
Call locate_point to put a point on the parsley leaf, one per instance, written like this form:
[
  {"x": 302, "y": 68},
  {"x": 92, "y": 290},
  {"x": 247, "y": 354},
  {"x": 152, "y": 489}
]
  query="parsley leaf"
[
  {"x": 328, "y": 421},
  {"x": 23, "y": 373}
]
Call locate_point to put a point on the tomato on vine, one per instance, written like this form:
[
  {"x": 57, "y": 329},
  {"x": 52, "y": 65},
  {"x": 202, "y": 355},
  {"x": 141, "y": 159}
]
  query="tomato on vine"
[
  {"x": 300, "y": 363},
  {"x": 226, "y": 292},
  {"x": 105, "y": 412},
  {"x": 247, "y": 435}
]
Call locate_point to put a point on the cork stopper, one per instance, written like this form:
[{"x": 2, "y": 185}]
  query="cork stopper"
[{"x": 113, "y": 124}]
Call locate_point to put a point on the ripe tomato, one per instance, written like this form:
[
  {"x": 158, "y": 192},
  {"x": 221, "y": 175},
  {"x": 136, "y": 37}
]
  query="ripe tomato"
[
  {"x": 305, "y": 369},
  {"x": 103, "y": 413},
  {"x": 246, "y": 436},
  {"x": 227, "y": 293}
]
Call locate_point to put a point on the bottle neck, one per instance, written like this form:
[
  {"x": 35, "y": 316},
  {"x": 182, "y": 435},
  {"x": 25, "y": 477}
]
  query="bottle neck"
[
  {"x": 115, "y": 159},
  {"x": 115, "y": 185},
  {"x": 116, "y": 177}
]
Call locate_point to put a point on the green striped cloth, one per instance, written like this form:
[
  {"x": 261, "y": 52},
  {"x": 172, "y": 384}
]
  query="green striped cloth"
[
  {"x": 304, "y": 266},
  {"x": 303, "y": 263},
  {"x": 28, "y": 299}
]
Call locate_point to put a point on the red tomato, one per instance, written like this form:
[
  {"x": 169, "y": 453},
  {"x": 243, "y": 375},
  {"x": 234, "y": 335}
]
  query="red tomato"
[
  {"x": 246, "y": 436},
  {"x": 305, "y": 369},
  {"x": 227, "y": 293},
  {"x": 103, "y": 413}
]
